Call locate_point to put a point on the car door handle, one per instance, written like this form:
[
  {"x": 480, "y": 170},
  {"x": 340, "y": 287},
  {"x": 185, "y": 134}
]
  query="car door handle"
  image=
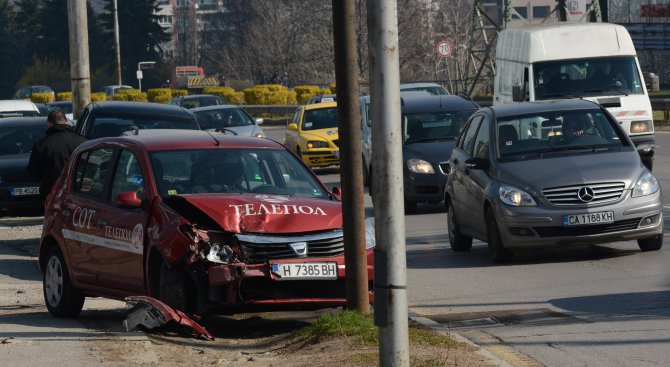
[{"x": 103, "y": 222}]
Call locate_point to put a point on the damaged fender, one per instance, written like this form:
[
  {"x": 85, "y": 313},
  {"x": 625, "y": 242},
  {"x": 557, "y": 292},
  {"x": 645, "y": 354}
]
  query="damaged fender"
[{"x": 151, "y": 313}]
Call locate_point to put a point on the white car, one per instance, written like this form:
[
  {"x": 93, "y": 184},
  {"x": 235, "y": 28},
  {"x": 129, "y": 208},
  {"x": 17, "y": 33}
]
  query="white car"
[
  {"x": 228, "y": 119},
  {"x": 17, "y": 108}
]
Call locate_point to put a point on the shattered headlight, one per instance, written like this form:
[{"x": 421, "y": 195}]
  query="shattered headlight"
[
  {"x": 369, "y": 233},
  {"x": 222, "y": 254}
]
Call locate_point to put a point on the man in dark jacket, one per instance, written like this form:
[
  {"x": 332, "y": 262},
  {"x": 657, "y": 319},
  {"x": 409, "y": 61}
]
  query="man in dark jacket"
[{"x": 50, "y": 154}]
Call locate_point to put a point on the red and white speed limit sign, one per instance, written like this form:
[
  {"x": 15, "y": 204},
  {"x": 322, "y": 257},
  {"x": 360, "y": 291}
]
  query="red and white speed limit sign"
[{"x": 444, "y": 48}]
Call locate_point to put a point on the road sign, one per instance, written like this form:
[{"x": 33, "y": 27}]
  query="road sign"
[
  {"x": 444, "y": 48},
  {"x": 139, "y": 74}
]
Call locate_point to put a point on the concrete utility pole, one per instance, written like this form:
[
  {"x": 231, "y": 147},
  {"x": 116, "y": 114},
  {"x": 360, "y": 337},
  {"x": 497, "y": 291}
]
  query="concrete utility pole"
[
  {"x": 391, "y": 312},
  {"x": 79, "y": 66},
  {"x": 351, "y": 159},
  {"x": 117, "y": 44}
]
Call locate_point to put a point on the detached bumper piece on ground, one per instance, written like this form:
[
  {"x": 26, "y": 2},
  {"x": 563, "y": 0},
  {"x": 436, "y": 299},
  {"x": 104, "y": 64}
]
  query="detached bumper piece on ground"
[{"x": 149, "y": 313}]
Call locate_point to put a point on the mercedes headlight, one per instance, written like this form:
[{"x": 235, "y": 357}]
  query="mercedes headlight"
[
  {"x": 645, "y": 185},
  {"x": 420, "y": 166},
  {"x": 317, "y": 144},
  {"x": 513, "y": 196}
]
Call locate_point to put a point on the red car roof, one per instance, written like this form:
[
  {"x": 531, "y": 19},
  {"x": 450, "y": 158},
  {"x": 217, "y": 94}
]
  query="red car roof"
[{"x": 166, "y": 139}]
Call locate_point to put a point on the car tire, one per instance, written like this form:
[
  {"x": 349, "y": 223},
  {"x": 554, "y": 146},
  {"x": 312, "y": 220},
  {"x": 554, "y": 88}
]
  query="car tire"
[
  {"x": 458, "y": 242},
  {"x": 172, "y": 287},
  {"x": 60, "y": 296},
  {"x": 497, "y": 250},
  {"x": 651, "y": 244},
  {"x": 410, "y": 207}
]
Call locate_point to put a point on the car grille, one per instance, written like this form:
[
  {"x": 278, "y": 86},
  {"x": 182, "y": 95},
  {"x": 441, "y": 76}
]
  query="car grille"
[
  {"x": 622, "y": 225},
  {"x": 261, "y": 248},
  {"x": 568, "y": 195}
]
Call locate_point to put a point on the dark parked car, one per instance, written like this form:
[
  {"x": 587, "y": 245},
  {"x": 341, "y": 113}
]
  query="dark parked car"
[
  {"x": 28, "y": 91},
  {"x": 17, "y": 136},
  {"x": 553, "y": 173},
  {"x": 197, "y": 100},
  {"x": 200, "y": 221},
  {"x": 430, "y": 125},
  {"x": 112, "y": 118}
]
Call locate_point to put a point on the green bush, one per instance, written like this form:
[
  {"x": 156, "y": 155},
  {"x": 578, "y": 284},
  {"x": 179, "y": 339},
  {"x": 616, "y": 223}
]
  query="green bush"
[
  {"x": 282, "y": 97},
  {"x": 132, "y": 95},
  {"x": 160, "y": 95},
  {"x": 218, "y": 91},
  {"x": 333, "y": 89},
  {"x": 96, "y": 97},
  {"x": 179, "y": 92},
  {"x": 305, "y": 92},
  {"x": 234, "y": 97},
  {"x": 65, "y": 96},
  {"x": 272, "y": 87},
  {"x": 256, "y": 96},
  {"x": 325, "y": 91},
  {"x": 119, "y": 97},
  {"x": 42, "y": 97}
]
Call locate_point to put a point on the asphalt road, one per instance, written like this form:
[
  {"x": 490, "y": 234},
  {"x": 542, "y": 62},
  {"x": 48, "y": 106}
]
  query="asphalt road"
[{"x": 606, "y": 305}]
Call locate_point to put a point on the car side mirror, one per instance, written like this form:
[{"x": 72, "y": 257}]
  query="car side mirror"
[
  {"x": 516, "y": 94},
  {"x": 129, "y": 200},
  {"x": 292, "y": 126},
  {"x": 477, "y": 163},
  {"x": 337, "y": 193},
  {"x": 259, "y": 121}
]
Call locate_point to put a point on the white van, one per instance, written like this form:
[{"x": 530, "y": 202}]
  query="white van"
[{"x": 593, "y": 61}]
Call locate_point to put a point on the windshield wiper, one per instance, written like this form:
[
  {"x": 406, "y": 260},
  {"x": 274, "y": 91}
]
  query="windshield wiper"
[
  {"x": 619, "y": 92},
  {"x": 561, "y": 95}
]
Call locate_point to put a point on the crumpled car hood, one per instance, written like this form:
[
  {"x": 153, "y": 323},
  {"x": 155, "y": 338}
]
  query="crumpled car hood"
[{"x": 264, "y": 213}]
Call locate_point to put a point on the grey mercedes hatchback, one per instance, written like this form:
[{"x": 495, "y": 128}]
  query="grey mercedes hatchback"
[{"x": 550, "y": 173}]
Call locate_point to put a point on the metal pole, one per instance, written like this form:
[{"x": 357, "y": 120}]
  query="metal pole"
[
  {"x": 390, "y": 263},
  {"x": 351, "y": 158},
  {"x": 139, "y": 80},
  {"x": 79, "y": 66},
  {"x": 117, "y": 45}
]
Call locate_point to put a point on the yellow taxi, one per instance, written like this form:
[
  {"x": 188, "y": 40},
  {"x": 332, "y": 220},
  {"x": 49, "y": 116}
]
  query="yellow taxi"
[{"x": 313, "y": 135}]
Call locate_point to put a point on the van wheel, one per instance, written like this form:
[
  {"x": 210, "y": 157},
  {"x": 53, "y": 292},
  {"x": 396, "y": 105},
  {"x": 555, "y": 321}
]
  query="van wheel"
[
  {"x": 458, "y": 242},
  {"x": 60, "y": 296},
  {"x": 651, "y": 244},
  {"x": 497, "y": 250}
]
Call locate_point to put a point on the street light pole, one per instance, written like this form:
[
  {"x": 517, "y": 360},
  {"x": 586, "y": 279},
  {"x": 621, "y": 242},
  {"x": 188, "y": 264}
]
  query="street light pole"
[
  {"x": 117, "y": 45},
  {"x": 139, "y": 71}
]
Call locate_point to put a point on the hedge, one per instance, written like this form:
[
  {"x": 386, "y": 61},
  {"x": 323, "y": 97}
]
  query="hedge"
[
  {"x": 305, "y": 92},
  {"x": 42, "y": 97},
  {"x": 96, "y": 97},
  {"x": 333, "y": 89},
  {"x": 64, "y": 96},
  {"x": 133, "y": 95},
  {"x": 179, "y": 92},
  {"x": 159, "y": 95}
]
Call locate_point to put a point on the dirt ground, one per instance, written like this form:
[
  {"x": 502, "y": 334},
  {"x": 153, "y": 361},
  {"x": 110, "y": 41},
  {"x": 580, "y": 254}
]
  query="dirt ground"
[{"x": 260, "y": 339}]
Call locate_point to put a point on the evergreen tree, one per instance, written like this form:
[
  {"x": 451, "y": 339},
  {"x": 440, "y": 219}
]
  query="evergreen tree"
[{"x": 140, "y": 35}]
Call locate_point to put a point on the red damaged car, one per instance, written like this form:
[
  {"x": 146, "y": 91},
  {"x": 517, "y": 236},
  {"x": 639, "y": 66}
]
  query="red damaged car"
[{"x": 196, "y": 220}]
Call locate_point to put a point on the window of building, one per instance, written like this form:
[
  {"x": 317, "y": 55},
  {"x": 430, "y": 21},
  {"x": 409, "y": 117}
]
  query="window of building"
[
  {"x": 523, "y": 12},
  {"x": 541, "y": 11}
]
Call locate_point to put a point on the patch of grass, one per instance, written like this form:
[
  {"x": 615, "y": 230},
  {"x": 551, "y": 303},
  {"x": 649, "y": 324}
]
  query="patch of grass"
[
  {"x": 361, "y": 326},
  {"x": 347, "y": 323},
  {"x": 659, "y": 118},
  {"x": 366, "y": 359},
  {"x": 415, "y": 361}
]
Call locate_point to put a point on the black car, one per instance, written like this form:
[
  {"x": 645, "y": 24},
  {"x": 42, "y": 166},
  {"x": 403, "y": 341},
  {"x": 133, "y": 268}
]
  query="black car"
[
  {"x": 430, "y": 126},
  {"x": 17, "y": 136},
  {"x": 114, "y": 118},
  {"x": 197, "y": 100}
]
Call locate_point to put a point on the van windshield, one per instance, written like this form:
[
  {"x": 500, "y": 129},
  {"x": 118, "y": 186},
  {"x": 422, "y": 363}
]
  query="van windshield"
[{"x": 586, "y": 77}]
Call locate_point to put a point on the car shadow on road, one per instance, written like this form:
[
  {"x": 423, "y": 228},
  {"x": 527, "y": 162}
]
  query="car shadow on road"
[
  {"x": 18, "y": 259},
  {"x": 428, "y": 257}
]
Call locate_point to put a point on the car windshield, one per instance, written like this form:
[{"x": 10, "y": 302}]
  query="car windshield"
[
  {"x": 430, "y": 126},
  {"x": 261, "y": 171},
  {"x": 545, "y": 133},
  {"x": 223, "y": 118},
  {"x": 436, "y": 90},
  {"x": 321, "y": 118},
  {"x": 105, "y": 125},
  {"x": 201, "y": 102},
  {"x": 17, "y": 140},
  {"x": 586, "y": 77}
]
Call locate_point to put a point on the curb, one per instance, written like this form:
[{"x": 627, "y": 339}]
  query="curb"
[{"x": 517, "y": 358}]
